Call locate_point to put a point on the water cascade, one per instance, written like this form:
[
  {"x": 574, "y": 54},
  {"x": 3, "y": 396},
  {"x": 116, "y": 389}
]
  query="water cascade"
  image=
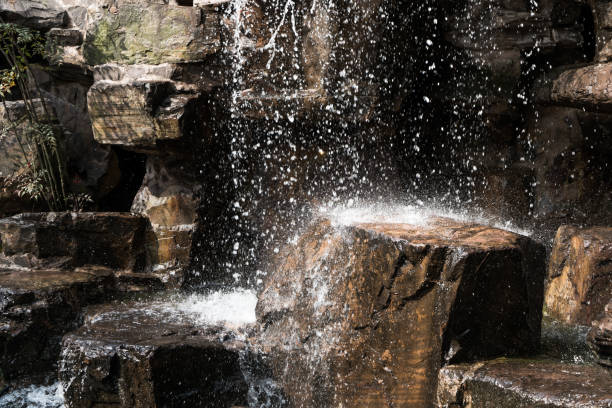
[{"x": 314, "y": 204}]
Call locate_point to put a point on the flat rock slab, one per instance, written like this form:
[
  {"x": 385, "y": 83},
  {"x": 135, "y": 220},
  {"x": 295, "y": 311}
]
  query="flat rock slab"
[
  {"x": 579, "y": 274},
  {"x": 365, "y": 314},
  {"x": 37, "y": 308},
  {"x": 69, "y": 240},
  {"x": 141, "y": 355},
  {"x": 524, "y": 383}
]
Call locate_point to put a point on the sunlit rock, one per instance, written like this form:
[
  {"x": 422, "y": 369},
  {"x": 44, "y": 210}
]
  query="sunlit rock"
[
  {"x": 579, "y": 274},
  {"x": 167, "y": 198},
  {"x": 41, "y": 240},
  {"x": 37, "y": 14},
  {"x": 600, "y": 336},
  {"x": 134, "y": 356},
  {"x": 139, "y": 106},
  {"x": 37, "y": 308},
  {"x": 147, "y": 32},
  {"x": 365, "y": 314},
  {"x": 512, "y": 383},
  {"x": 586, "y": 87}
]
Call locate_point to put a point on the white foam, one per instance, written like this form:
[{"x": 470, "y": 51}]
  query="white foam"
[
  {"x": 50, "y": 396},
  {"x": 235, "y": 308},
  {"x": 419, "y": 215}
]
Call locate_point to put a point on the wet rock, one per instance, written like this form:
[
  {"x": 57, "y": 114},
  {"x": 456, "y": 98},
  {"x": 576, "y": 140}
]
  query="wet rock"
[
  {"x": 68, "y": 240},
  {"x": 600, "y": 336},
  {"x": 571, "y": 180},
  {"x": 36, "y": 309},
  {"x": 586, "y": 87},
  {"x": 579, "y": 274},
  {"x": 524, "y": 383},
  {"x": 147, "y": 32},
  {"x": 37, "y": 14},
  {"x": 137, "y": 356},
  {"x": 364, "y": 315}
]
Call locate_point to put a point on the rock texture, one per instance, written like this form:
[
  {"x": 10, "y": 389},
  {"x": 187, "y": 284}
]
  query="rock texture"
[
  {"x": 68, "y": 240},
  {"x": 580, "y": 274},
  {"x": 135, "y": 356},
  {"x": 37, "y": 308},
  {"x": 524, "y": 383},
  {"x": 600, "y": 336},
  {"x": 586, "y": 87},
  {"x": 138, "y": 106},
  {"x": 147, "y": 32},
  {"x": 364, "y": 315}
]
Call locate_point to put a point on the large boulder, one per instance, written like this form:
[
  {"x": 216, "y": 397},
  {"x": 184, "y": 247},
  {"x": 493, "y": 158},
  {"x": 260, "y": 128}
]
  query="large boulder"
[
  {"x": 140, "y": 356},
  {"x": 37, "y": 14},
  {"x": 579, "y": 274},
  {"x": 524, "y": 384},
  {"x": 147, "y": 32},
  {"x": 36, "y": 309},
  {"x": 600, "y": 337},
  {"x": 68, "y": 240},
  {"x": 365, "y": 314},
  {"x": 586, "y": 87},
  {"x": 139, "y": 106}
]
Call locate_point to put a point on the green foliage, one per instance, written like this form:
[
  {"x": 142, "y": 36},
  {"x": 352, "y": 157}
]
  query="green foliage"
[{"x": 41, "y": 168}]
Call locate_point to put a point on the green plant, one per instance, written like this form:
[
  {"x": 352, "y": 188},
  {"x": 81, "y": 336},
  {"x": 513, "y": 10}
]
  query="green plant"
[{"x": 41, "y": 171}]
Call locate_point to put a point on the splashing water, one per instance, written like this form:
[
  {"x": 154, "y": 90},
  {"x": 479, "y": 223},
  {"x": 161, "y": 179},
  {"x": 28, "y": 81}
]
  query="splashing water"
[
  {"x": 355, "y": 213},
  {"x": 235, "y": 308},
  {"x": 50, "y": 396}
]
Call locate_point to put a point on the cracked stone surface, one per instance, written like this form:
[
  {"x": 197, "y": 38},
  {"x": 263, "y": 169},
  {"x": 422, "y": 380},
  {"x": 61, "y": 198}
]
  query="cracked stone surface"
[{"x": 364, "y": 315}]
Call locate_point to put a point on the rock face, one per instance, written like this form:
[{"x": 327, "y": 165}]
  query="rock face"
[
  {"x": 139, "y": 105},
  {"x": 68, "y": 240},
  {"x": 364, "y": 315},
  {"x": 152, "y": 33},
  {"x": 37, "y": 308},
  {"x": 580, "y": 274},
  {"x": 524, "y": 383},
  {"x": 135, "y": 357},
  {"x": 600, "y": 336}
]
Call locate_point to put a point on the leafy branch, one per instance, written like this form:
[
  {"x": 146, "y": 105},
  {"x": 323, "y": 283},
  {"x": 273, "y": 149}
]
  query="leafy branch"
[{"x": 41, "y": 174}]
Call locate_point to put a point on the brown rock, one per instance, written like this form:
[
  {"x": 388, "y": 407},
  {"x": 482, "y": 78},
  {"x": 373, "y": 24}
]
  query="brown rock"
[
  {"x": 364, "y": 315},
  {"x": 167, "y": 198},
  {"x": 600, "y": 336},
  {"x": 579, "y": 274},
  {"x": 36, "y": 309},
  {"x": 587, "y": 87},
  {"x": 40, "y": 240},
  {"x": 134, "y": 356},
  {"x": 524, "y": 384}
]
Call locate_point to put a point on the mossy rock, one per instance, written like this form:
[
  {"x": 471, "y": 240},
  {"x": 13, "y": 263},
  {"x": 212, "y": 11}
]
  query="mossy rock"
[{"x": 153, "y": 34}]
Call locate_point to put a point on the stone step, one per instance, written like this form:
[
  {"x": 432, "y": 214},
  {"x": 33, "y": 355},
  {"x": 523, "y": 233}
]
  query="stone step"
[
  {"x": 144, "y": 355},
  {"x": 520, "y": 383},
  {"x": 36, "y": 309},
  {"x": 70, "y": 240},
  {"x": 363, "y": 313}
]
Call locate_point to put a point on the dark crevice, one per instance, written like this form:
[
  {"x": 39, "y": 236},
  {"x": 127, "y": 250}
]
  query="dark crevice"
[{"x": 425, "y": 288}]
